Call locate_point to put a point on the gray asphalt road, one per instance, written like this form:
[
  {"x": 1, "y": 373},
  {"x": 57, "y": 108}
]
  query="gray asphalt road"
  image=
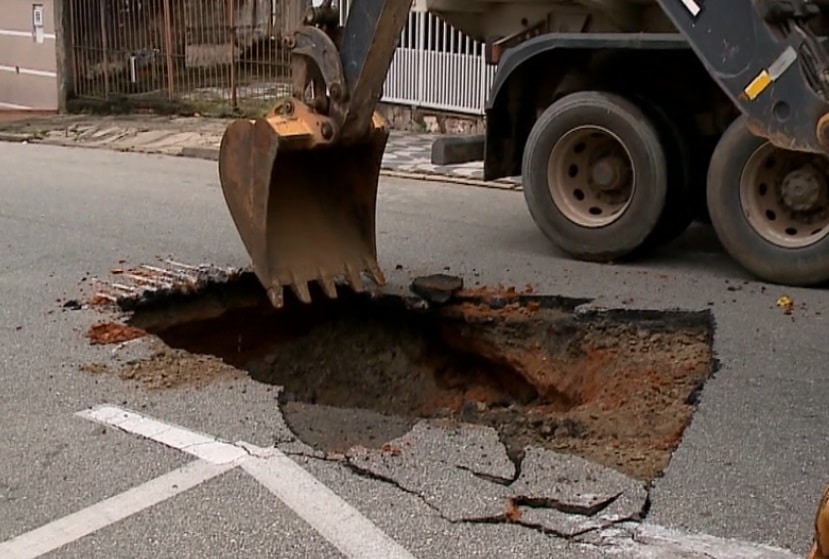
[{"x": 751, "y": 465}]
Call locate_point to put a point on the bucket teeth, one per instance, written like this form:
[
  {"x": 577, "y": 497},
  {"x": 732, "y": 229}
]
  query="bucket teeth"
[
  {"x": 353, "y": 278},
  {"x": 301, "y": 291},
  {"x": 301, "y": 288},
  {"x": 375, "y": 271},
  {"x": 276, "y": 296},
  {"x": 328, "y": 285}
]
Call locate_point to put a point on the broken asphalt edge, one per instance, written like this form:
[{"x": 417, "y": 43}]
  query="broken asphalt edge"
[
  {"x": 630, "y": 534},
  {"x": 212, "y": 154}
]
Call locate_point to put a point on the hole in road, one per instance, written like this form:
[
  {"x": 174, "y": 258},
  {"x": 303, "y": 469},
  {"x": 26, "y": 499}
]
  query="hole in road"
[{"x": 617, "y": 388}]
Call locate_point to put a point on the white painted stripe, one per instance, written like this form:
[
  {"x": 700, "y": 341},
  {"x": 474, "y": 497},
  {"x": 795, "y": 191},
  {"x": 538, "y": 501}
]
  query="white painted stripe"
[
  {"x": 199, "y": 445},
  {"x": 673, "y": 543},
  {"x": 16, "y": 107},
  {"x": 337, "y": 521},
  {"x": 28, "y": 71},
  {"x": 27, "y": 34},
  {"x": 692, "y": 7},
  {"x": 650, "y": 541},
  {"x": 70, "y": 528}
]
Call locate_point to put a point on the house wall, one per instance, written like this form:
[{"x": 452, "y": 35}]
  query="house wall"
[{"x": 28, "y": 62}]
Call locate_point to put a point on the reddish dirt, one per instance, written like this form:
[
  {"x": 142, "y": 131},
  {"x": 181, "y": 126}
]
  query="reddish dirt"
[
  {"x": 513, "y": 512},
  {"x": 104, "y": 333},
  {"x": 167, "y": 369},
  {"x": 100, "y": 301},
  {"x": 514, "y": 310},
  {"x": 487, "y": 293}
]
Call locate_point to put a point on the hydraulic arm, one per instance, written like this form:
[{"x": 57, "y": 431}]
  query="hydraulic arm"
[{"x": 765, "y": 57}]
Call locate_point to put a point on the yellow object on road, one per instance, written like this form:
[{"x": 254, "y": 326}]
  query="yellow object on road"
[{"x": 820, "y": 546}]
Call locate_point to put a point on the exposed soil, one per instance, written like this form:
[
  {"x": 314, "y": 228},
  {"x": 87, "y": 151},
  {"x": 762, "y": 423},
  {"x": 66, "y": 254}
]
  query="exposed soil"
[
  {"x": 104, "y": 333},
  {"x": 168, "y": 368},
  {"x": 617, "y": 389},
  {"x": 171, "y": 369}
]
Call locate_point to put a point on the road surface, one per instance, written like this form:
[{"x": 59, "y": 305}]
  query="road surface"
[{"x": 751, "y": 466}]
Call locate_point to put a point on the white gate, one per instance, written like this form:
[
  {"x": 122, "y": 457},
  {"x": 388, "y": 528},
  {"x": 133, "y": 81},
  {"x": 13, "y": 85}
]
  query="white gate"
[{"x": 437, "y": 67}]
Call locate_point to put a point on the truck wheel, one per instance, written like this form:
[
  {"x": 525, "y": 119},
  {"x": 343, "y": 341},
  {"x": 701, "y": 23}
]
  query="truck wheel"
[
  {"x": 770, "y": 207},
  {"x": 594, "y": 175},
  {"x": 678, "y": 212}
]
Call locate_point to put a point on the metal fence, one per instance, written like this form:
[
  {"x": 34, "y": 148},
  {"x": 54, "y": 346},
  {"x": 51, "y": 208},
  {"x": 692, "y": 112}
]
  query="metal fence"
[
  {"x": 217, "y": 55},
  {"x": 211, "y": 54},
  {"x": 438, "y": 67}
]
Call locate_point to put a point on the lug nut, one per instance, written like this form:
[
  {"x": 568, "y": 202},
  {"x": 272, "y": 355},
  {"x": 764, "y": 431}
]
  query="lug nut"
[{"x": 327, "y": 130}]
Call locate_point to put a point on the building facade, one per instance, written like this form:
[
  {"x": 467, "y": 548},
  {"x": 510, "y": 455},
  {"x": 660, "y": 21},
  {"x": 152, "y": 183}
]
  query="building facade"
[{"x": 28, "y": 57}]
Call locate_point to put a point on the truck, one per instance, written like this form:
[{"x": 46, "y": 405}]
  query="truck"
[{"x": 626, "y": 120}]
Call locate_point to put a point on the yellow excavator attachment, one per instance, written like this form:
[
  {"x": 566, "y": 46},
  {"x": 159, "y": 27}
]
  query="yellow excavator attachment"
[
  {"x": 820, "y": 545},
  {"x": 304, "y": 205},
  {"x": 301, "y": 182}
]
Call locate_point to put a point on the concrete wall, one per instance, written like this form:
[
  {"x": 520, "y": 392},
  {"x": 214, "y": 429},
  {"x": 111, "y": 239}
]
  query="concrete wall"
[{"x": 28, "y": 62}]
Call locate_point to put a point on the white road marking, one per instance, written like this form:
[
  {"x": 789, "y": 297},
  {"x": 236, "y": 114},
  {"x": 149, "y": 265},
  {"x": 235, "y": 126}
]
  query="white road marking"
[
  {"x": 650, "y": 541},
  {"x": 336, "y": 520},
  {"x": 199, "y": 445},
  {"x": 707, "y": 546},
  {"x": 70, "y": 528}
]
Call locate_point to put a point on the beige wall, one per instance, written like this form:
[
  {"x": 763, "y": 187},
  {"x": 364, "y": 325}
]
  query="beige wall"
[{"x": 28, "y": 69}]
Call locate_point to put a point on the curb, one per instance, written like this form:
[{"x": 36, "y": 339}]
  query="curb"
[
  {"x": 15, "y": 138},
  {"x": 437, "y": 177},
  {"x": 212, "y": 154}
]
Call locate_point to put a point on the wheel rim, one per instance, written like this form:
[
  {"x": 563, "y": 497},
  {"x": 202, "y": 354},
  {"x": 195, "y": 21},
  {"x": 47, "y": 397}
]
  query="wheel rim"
[
  {"x": 591, "y": 177},
  {"x": 785, "y": 196}
]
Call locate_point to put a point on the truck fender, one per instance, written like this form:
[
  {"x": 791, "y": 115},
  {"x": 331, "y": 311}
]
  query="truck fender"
[{"x": 536, "y": 68}]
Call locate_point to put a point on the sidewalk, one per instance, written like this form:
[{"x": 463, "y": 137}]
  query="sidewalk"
[{"x": 408, "y": 154}]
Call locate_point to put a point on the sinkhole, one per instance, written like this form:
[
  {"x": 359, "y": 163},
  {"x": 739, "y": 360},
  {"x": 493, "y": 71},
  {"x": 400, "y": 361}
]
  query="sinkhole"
[{"x": 616, "y": 387}]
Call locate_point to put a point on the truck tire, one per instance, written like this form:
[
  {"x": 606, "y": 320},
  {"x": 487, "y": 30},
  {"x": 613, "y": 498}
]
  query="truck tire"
[
  {"x": 678, "y": 213},
  {"x": 770, "y": 207},
  {"x": 595, "y": 175}
]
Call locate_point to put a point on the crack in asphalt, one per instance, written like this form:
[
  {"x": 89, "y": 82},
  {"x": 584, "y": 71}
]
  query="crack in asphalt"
[
  {"x": 507, "y": 517},
  {"x": 489, "y": 477},
  {"x": 565, "y": 507}
]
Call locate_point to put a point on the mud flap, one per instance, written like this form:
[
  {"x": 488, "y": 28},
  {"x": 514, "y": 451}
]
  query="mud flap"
[{"x": 305, "y": 210}]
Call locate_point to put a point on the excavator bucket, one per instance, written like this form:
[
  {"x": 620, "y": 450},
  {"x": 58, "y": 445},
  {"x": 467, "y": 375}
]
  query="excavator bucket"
[{"x": 304, "y": 207}]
